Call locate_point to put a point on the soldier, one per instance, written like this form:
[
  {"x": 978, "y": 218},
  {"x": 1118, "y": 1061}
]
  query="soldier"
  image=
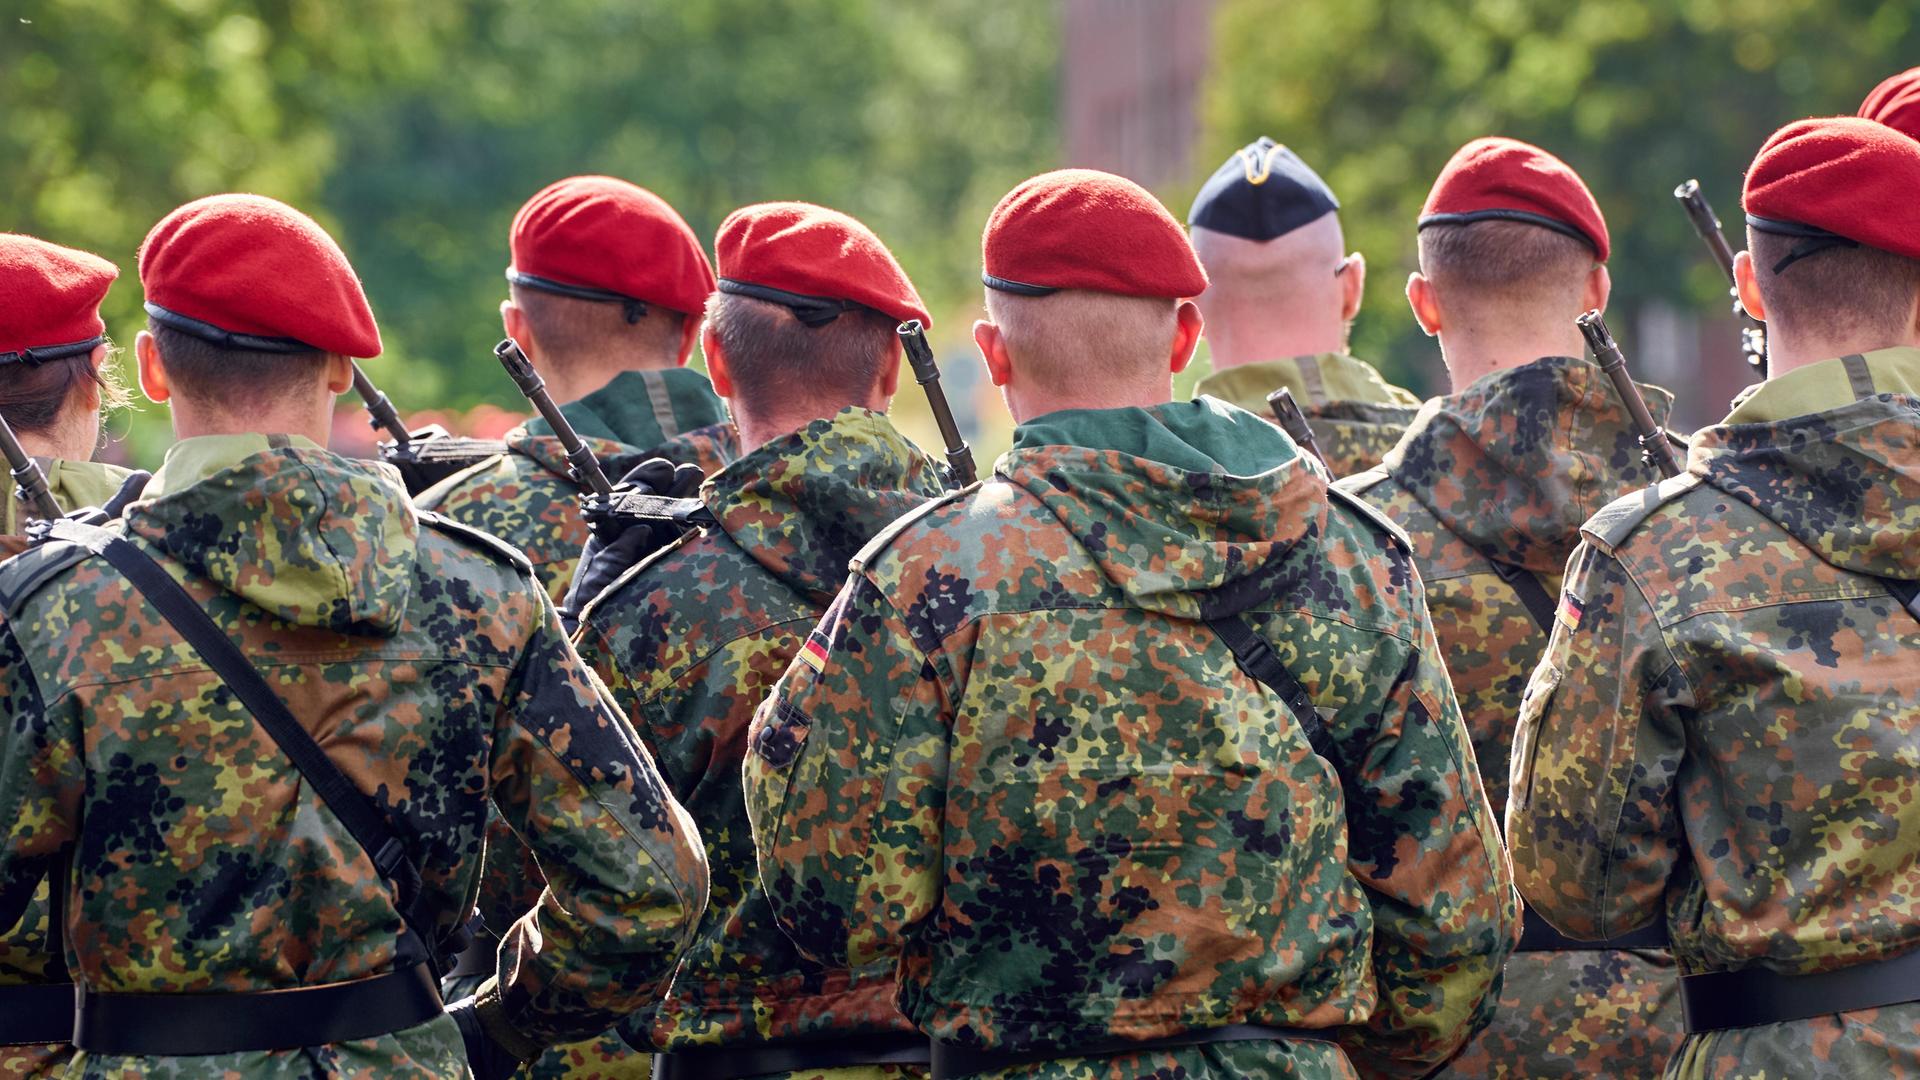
[
  {"x": 1720, "y": 737},
  {"x": 605, "y": 287},
  {"x": 1492, "y": 483},
  {"x": 1018, "y": 755},
  {"x": 262, "y": 722},
  {"x": 53, "y": 348},
  {"x": 1896, "y": 102},
  {"x": 801, "y": 342},
  {"x": 1281, "y": 296}
]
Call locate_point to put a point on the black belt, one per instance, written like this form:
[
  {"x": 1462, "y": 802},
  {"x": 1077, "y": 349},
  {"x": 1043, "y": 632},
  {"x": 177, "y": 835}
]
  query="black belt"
[
  {"x": 1717, "y": 1000},
  {"x": 184, "y": 1025},
  {"x": 951, "y": 1062},
  {"x": 35, "y": 1015},
  {"x": 1538, "y": 935},
  {"x": 732, "y": 1063}
]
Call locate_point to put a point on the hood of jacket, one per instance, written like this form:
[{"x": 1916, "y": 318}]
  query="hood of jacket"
[
  {"x": 803, "y": 505},
  {"x": 1519, "y": 460},
  {"x": 1190, "y": 509},
  {"x": 640, "y": 414},
  {"x": 1845, "y": 482},
  {"x": 303, "y": 534}
]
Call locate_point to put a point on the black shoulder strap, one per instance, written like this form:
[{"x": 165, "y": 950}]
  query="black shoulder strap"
[
  {"x": 354, "y": 809},
  {"x": 1534, "y": 595},
  {"x": 1257, "y": 658},
  {"x": 1907, "y": 592}
]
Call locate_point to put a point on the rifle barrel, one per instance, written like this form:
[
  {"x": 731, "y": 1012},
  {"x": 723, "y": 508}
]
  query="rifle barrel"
[
  {"x": 1294, "y": 422},
  {"x": 1653, "y": 438},
  {"x": 381, "y": 415},
  {"x": 26, "y": 473},
  {"x": 926, "y": 371},
  {"x": 586, "y": 467},
  {"x": 1707, "y": 224}
]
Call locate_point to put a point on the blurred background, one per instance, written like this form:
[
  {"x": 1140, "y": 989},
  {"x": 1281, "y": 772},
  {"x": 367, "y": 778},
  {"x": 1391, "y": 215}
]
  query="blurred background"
[{"x": 414, "y": 128}]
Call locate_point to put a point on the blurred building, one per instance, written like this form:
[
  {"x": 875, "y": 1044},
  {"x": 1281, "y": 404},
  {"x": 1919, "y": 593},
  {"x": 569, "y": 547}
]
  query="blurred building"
[{"x": 1130, "y": 81}]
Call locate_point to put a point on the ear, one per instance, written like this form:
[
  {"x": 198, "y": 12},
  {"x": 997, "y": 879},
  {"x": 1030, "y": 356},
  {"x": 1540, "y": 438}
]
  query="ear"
[
  {"x": 1599, "y": 287},
  {"x": 1353, "y": 286},
  {"x": 689, "y": 333},
  {"x": 993, "y": 350},
  {"x": 717, "y": 372},
  {"x": 1747, "y": 284},
  {"x": 1425, "y": 304},
  {"x": 339, "y": 373},
  {"x": 1186, "y": 335},
  {"x": 153, "y": 376},
  {"x": 890, "y": 374},
  {"x": 514, "y": 321}
]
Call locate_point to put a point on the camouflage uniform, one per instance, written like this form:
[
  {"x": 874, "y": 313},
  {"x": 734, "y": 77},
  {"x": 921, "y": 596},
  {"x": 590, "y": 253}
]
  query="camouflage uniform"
[
  {"x": 690, "y": 643},
  {"x": 26, "y": 957},
  {"x": 1721, "y": 732},
  {"x": 525, "y": 496},
  {"x": 431, "y": 665},
  {"x": 1051, "y": 792},
  {"x": 1507, "y": 470},
  {"x": 1356, "y": 416}
]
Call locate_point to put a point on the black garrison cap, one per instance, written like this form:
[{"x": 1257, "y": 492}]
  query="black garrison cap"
[{"x": 1261, "y": 192}]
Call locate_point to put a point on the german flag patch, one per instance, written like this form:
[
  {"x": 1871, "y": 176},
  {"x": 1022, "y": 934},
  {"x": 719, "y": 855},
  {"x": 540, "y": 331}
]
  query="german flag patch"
[
  {"x": 814, "y": 655},
  {"x": 1571, "y": 608}
]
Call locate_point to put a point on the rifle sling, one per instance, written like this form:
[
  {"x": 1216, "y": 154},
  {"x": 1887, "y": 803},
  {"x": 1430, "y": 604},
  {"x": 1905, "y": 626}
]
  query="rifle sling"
[
  {"x": 1534, "y": 595},
  {"x": 1257, "y": 658},
  {"x": 355, "y": 810}
]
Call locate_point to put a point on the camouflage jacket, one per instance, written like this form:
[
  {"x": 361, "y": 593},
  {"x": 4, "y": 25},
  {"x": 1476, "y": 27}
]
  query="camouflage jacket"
[
  {"x": 1013, "y": 757},
  {"x": 431, "y": 667},
  {"x": 526, "y": 495},
  {"x": 1507, "y": 470},
  {"x": 1721, "y": 732},
  {"x": 26, "y": 952},
  {"x": 691, "y": 642},
  {"x": 1356, "y": 416}
]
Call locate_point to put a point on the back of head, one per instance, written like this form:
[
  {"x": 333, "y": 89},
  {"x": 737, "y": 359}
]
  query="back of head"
[
  {"x": 807, "y": 311},
  {"x": 50, "y": 328},
  {"x": 1494, "y": 269},
  {"x": 605, "y": 272},
  {"x": 247, "y": 299},
  {"x": 1086, "y": 273},
  {"x": 1833, "y": 230}
]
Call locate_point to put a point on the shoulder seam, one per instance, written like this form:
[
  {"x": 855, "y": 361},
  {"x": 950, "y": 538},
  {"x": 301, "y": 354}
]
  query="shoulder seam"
[
  {"x": 478, "y": 539},
  {"x": 885, "y": 537}
]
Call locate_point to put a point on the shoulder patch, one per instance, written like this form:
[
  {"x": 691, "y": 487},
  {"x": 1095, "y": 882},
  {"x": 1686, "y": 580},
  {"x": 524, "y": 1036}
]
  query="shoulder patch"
[
  {"x": 1372, "y": 514},
  {"x": 885, "y": 538},
  {"x": 1616, "y": 521},
  {"x": 484, "y": 541},
  {"x": 26, "y": 573}
]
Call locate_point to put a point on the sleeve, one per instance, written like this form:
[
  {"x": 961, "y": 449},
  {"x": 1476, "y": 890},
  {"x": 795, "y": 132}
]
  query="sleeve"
[
  {"x": 625, "y": 870},
  {"x": 1425, "y": 846},
  {"x": 42, "y": 780},
  {"x": 846, "y": 780},
  {"x": 1593, "y": 813}
]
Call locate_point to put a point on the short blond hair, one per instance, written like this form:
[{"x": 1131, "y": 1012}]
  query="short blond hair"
[{"x": 1063, "y": 339}]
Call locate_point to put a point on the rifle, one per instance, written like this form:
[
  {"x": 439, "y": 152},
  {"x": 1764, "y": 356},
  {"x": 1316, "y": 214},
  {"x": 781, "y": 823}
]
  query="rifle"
[
  {"x": 1655, "y": 448},
  {"x": 33, "y": 490},
  {"x": 425, "y": 456},
  {"x": 1753, "y": 333},
  {"x": 1294, "y": 422},
  {"x": 581, "y": 464},
  {"x": 959, "y": 469}
]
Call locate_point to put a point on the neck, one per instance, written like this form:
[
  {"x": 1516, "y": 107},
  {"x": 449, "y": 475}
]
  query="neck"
[
  {"x": 574, "y": 377},
  {"x": 1236, "y": 340},
  {"x": 53, "y": 444},
  {"x": 1789, "y": 349},
  {"x": 757, "y": 429},
  {"x": 191, "y": 421},
  {"x": 1032, "y": 402},
  {"x": 1473, "y": 353}
]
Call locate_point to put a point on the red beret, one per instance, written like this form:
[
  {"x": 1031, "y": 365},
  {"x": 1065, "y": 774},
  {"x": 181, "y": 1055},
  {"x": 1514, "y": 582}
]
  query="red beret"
[
  {"x": 601, "y": 238},
  {"x": 1085, "y": 229},
  {"x": 814, "y": 261},
  {"x": 53, "y": 299},
  {"x": 250, "y": 272},
  {"x": 1837, "y": 177},
  {"x": 1896, "y": 103},
  {"x": 1497, "y": 179}
]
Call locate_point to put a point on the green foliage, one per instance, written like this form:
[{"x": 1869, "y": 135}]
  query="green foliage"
[
  {"x": 1638, "y": 95},
  {"x": 414, "y": 129}
]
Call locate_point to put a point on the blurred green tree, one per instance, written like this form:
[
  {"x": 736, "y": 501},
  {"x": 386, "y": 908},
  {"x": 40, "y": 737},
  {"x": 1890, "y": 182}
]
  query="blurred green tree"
[{"x": 1638, "y": 95}]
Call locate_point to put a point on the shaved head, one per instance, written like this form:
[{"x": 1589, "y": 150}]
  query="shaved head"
[
  {"x": 1064, "y": 341},
  {"x": 1290, "y": 296}
]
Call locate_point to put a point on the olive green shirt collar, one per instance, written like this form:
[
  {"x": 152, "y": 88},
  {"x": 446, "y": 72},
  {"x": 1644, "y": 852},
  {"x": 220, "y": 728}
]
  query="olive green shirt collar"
[
  {"x": 1830, "y": 384},
  {"x": 642, "y": 409},
  {"x": 73, "y": 484},
  {"x": 190, "y": 461},
  {"x": 1314, "y": 380}
]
